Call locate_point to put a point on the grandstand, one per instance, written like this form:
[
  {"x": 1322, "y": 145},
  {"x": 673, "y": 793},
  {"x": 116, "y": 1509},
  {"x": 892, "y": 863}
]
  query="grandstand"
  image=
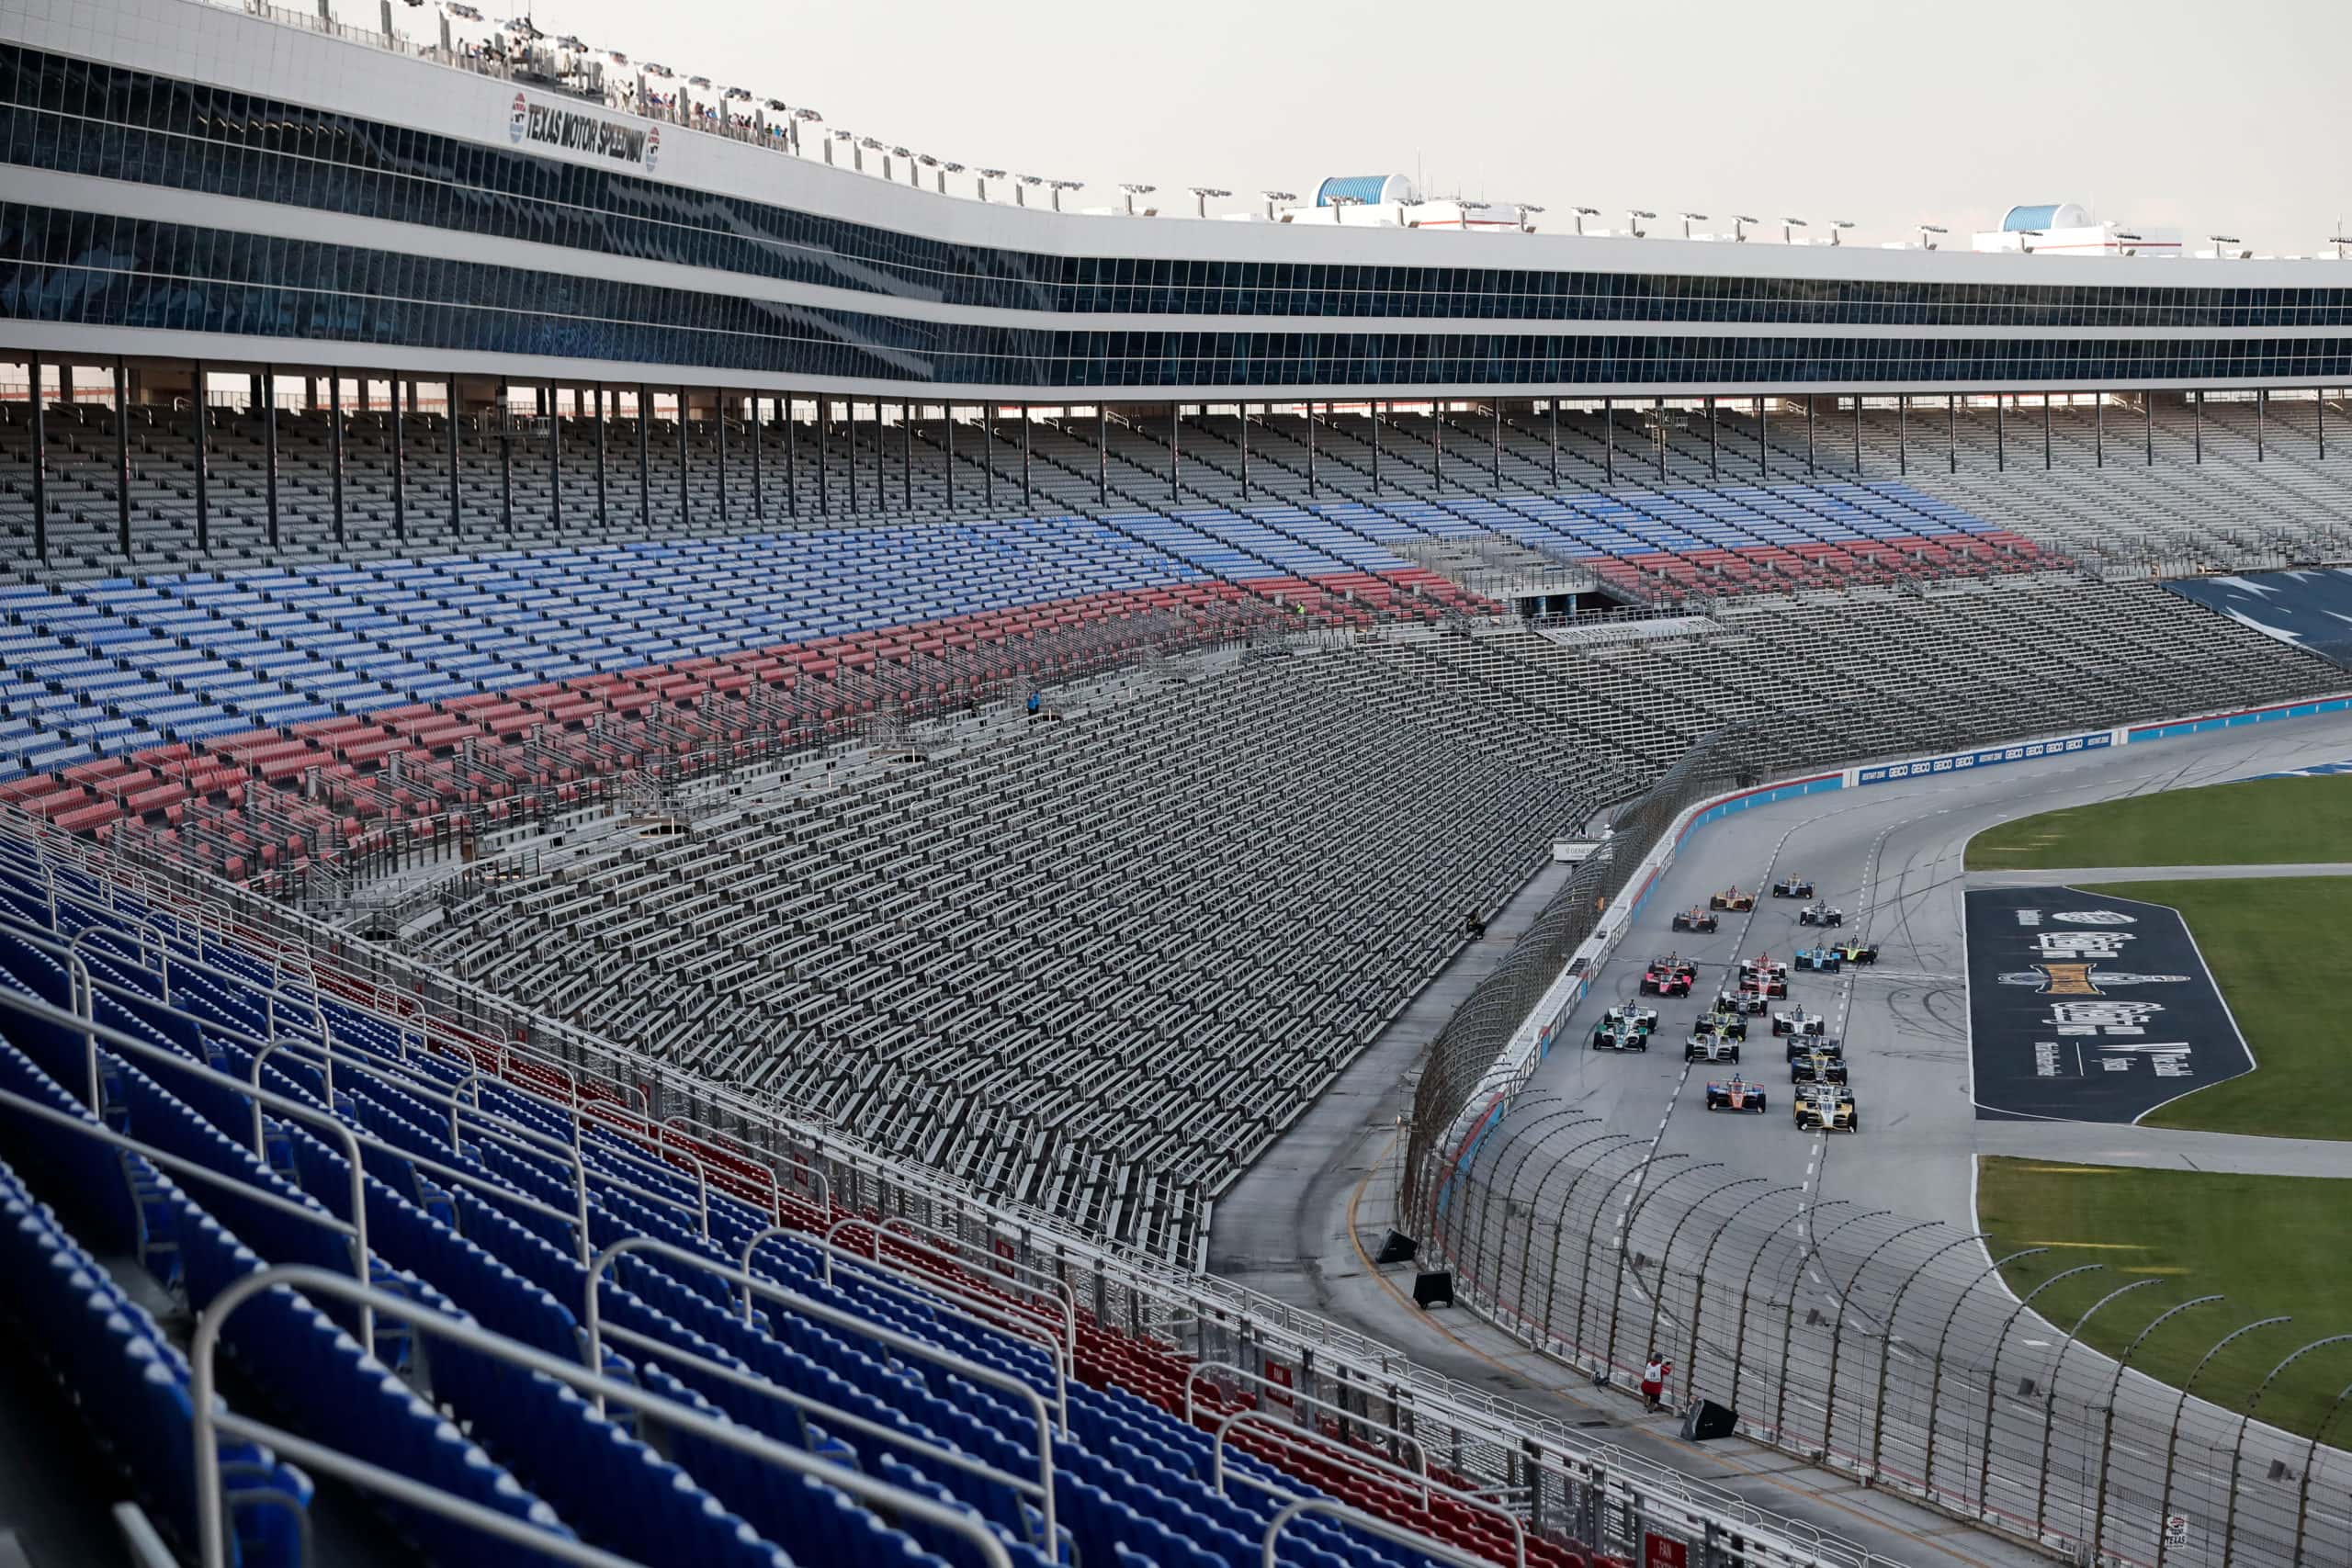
[{"x": 732, "y": 767}]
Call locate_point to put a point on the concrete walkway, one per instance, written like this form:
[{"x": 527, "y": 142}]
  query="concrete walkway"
[
  {"x": 2102, "y": 1143},
  {"x": 2075, "y": 875}
]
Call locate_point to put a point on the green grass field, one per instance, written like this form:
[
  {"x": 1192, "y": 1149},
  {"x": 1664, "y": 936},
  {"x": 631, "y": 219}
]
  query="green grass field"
[
  {"x": 2261, "y": 822},
  {"x": 2270, "y": 1244},
  {"x": 2278, "y": 948}
]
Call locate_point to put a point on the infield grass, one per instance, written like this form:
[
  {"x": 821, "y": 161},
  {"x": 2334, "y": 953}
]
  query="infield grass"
[
  {"x": 2279, "y": 948},
  {"x": 2272, "y": 1245},
  {"x": 2259, "y": 822}
]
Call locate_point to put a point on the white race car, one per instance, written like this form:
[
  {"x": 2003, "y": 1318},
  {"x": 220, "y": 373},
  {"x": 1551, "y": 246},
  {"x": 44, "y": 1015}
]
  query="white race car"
[{"x": 1799, "y": 1021}]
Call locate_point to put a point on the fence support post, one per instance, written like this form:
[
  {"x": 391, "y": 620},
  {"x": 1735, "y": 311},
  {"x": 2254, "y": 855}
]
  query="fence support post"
[
  {"x": 1993, "y": 1374},
  {"x": 1706, "y": 1268},
  {"x": 2311, "y": 1454},
  {"x": 1551, "y": 1285},
  {"x": 1633, "y": 1208},
  {"x": 1746, "y": 1288},
  {"x": 1837, "y": 1329},
  {"x": 2050, "y": 1395},
  {"x": 2107, "y": 1433},
  {"x": 2238, "y": 1449},
  {"x": 1592, "y": 1234},
  {"x": 1666, "y": 1259},
  {"x": 1894, "y": 1314},
  {"x": 2172, "y": 1437},
  {"x": 1789, "y": 1319}
]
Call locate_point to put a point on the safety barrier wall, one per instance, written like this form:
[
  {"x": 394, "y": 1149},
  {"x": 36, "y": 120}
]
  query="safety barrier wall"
[{"x": 2167, "y": 729}]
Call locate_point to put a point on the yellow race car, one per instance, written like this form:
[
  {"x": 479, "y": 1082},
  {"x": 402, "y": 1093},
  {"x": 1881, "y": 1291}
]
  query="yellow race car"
[
  {"x": 1828, "y": 1107},
  {"x": 1731, "y": 899}
]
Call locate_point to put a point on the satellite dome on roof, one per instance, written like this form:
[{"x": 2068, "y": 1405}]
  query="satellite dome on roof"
[
  {"x": 1373, "y": 190},
  {"x": 2046, "y": 216}
]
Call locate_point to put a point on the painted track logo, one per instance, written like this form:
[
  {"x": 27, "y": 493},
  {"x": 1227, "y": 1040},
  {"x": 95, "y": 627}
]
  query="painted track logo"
[
  {"x": 518, "y": 119},
  {"x": 2081, "y": 980}
]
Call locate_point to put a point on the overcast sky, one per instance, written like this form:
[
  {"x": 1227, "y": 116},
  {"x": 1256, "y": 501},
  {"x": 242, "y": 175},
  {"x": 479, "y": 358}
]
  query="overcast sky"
[{"x": 2218, "y": 116}]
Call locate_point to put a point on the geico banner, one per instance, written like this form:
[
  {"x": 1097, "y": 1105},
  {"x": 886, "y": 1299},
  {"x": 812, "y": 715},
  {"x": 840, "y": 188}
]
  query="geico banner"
[{"x": 1990, "y": 757}]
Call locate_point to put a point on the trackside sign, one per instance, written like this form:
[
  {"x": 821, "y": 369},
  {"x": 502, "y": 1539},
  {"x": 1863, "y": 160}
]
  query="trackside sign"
[{"x": 1990, "y": 757}]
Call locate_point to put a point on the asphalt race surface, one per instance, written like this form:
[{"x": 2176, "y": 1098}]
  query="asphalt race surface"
[{"x": 1810, "y": 1279}]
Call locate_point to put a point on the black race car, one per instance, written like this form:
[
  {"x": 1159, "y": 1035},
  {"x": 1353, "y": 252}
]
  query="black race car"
[
  {"x": 1817, "y": 1066},
  {"x": 1792, "y": 888},
  {"x": 1724, "y": 1020},
  {"x": 1744, "y": 1001},
  {"x": 1696, "y": 920},
  {"x": 1815, "y": 1045}
]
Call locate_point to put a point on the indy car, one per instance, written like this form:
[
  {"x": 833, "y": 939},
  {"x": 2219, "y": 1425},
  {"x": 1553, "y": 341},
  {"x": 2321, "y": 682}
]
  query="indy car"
[
  {"x": 1820, "y": 915},
  {"x": 1737, "y": 1095},
  {"x": 1728, "y": 1022},
  {"x": 1669, "y": 977},
  {"x": 1620, "y": 1036},
  {"x": 1792, "y": 888},
  {"x": 1829, "y": 1107},
  {"x": 1815, "y": 1046},
  {"x": 1694, "y": 918},
  {"x": 1817, "y": 1066},
  {"x": 1731, "y": 899},
  {"x": 1823, "y": 960},
  {"x": 1856, "y": 951},
  {"x": 1765, "y": 965},
  {"x": 1771, "y": 989},
  {"x": 1631, "y": 1015},
  {"x": 1710, "y": 1048},
  {"x": 1742, "y": 1002},
  {"x": 1799, "y": 1021}
]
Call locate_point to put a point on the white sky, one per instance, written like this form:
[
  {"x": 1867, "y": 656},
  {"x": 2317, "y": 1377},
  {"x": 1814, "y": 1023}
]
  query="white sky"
[{"x": 2218, "y": 116}]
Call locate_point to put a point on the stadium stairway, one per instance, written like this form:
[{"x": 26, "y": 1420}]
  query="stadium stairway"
[{"x": 483, "y": 1200}]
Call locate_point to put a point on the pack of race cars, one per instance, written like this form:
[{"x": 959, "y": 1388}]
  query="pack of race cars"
[{"x": 1821, "y": 1097}]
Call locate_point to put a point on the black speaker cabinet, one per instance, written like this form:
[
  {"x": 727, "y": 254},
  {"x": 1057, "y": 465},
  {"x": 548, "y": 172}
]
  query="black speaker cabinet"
[
  {"x": 1707, "y": 1419},
  {"x": 1433, "y": 1288},
  {"x": 1397, "y": 1247}
]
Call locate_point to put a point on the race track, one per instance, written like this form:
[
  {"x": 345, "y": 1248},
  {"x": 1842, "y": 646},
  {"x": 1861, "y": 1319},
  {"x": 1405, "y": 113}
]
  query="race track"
[{"x": 1609, "y": 1162}]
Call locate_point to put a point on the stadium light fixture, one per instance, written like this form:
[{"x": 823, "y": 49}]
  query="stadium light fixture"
[
  {"x": 1927, "y": 228},
  {"x": 1788, "y": 227},
  {"x": 1200, "y": 195},
  {"x": 1582, "y": 213},
  {"x": 1274, "y": 197},
  {"x": 1028, "y": 182},
  {"x": 1839, "y": 226},
  {"x": 914, "y": 175},
  {"x": 1633, "y": 215},
  {"x": 1691, "y": 217},
  {"x": 1528, "y": 210},
  {"x": 983, "y": 177},
  {"x": 1061, "y": 186},
  {"x": 2219, "y": 241},
  {"x": 800, "y": 118},
  {"x": 2339, "y": 242},
  {"x": 1135, "y": 190},
  {"x": 1739, "y": 222}
]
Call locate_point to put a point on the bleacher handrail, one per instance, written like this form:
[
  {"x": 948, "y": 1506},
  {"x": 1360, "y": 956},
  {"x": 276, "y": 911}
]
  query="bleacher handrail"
[
  {"x": 212, "y": 1423},
  {"x": 1379, "y": 1470},
  {"x": 591, "y": 1341}
]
